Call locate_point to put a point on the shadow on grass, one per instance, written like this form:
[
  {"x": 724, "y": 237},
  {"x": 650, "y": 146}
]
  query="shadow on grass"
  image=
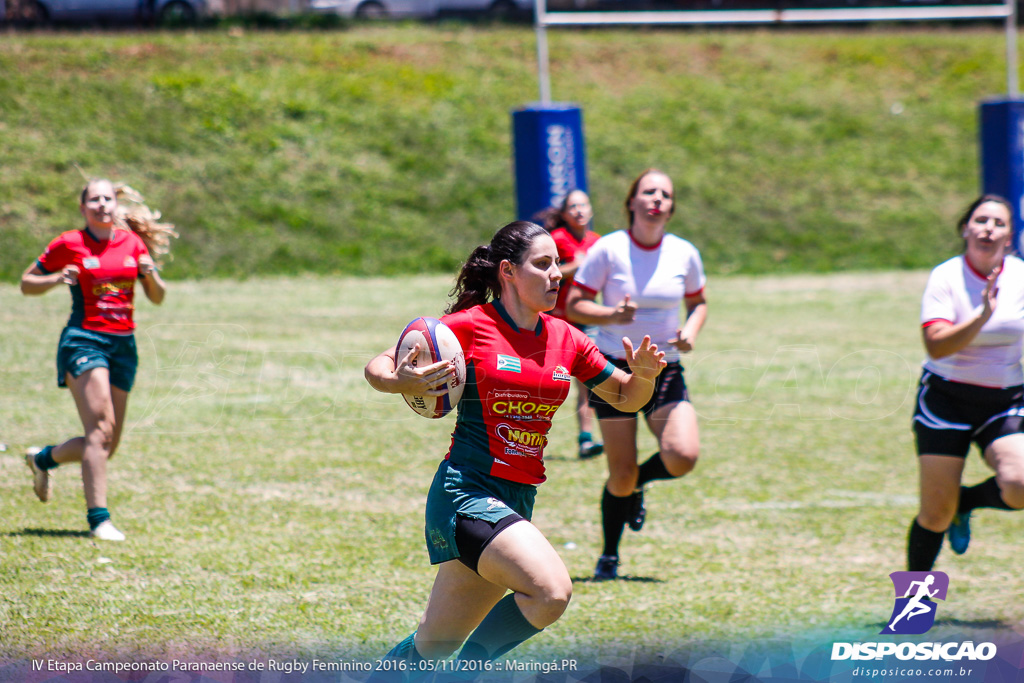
[
  {"x": 66, "y": 533},
  {"x": 621, "y": 579}
]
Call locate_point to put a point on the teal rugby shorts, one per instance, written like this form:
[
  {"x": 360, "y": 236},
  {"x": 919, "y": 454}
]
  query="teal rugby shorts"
[
  {"x": 80, "y": 350},
  {"x": 462, "y": 490}
]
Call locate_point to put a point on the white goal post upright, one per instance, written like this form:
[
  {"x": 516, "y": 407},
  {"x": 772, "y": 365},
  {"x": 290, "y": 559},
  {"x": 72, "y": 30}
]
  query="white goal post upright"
[{"x": 543, "y": 19}]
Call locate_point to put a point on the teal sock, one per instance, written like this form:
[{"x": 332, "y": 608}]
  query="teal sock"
[
  {"x": 96, "y": 516},
  {"x": 406, "y": 650},
  {"x": 502, "y": 629},
  {"x": 585, "y": 436},
  {"x": 44, "y": 459}
]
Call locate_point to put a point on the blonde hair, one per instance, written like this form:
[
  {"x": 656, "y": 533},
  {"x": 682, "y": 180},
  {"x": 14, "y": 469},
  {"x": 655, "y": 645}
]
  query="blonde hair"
[{"x": 133, "y": 214}]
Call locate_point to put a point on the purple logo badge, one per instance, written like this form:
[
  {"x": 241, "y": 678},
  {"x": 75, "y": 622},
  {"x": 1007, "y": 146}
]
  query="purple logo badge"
[{"x": 916, "y": 592}]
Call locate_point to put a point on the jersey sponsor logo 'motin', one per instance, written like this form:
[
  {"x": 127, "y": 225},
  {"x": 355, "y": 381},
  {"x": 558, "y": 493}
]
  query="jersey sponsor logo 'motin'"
[
  {"x": 509, "y": 363},
  {"x": 104, "y": 287},
  {"x": 914, "y": 610},
  {"x": 521, "y": 441}
]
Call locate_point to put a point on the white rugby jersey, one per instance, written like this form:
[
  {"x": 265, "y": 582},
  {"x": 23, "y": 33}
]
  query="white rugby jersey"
[
  {"x": 953, "y": 294},
  {"x": 655, "y": 278}
]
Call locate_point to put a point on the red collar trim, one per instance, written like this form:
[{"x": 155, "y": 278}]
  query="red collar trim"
[
  {"x": 644, "y": 246},
  {"x": 978, "y": 273}
]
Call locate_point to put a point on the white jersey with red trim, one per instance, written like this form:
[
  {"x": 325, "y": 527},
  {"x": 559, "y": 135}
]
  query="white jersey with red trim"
[
  {"x": 954, "y": 294},
  {"x": 657, "y": 279}
]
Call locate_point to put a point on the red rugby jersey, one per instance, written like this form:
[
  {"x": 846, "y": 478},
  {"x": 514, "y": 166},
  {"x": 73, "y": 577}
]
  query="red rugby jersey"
[
  {"x": 568, "y": 250},
  {"x": 102, "y": 301},
  {"x": 515, "y": 381}
]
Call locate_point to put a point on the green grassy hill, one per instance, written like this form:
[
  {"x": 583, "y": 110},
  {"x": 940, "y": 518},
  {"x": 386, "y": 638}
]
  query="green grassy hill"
[{"x": 386, "y": 149}]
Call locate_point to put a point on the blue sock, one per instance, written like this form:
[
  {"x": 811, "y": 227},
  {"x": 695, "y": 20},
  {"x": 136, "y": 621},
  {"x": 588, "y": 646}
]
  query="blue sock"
[
  {"x": 96, "y": 516},
  {"x": 44, "y": 459},
  {"x": 502, "y": 629},
  {"x": 585, "y": 436}
]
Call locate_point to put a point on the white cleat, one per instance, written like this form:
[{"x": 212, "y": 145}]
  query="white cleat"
[
  {"x": 106, "y": 531},
  {"x": 41, "y": 482}
]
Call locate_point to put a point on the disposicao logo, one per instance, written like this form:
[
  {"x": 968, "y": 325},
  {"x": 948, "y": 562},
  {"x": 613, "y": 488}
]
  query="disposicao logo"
[
  {"x": 915, "y": 607},
  {"x": 913, "y": 613}
]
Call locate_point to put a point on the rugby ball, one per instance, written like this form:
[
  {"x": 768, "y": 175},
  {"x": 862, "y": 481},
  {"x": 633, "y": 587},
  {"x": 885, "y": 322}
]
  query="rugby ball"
[{"x": 437, "y": 343}]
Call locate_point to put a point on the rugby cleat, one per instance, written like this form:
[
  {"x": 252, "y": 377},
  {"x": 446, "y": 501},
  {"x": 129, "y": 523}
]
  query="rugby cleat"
[
  {"x": 106, "y": 531},
  {"x": 589, "y": 449},
  {"x": 637, "y": 511},
  {"x": 959, "y": 532},
  {"x": 607, "y": 568},
  {"x": 41, "y": 482}
]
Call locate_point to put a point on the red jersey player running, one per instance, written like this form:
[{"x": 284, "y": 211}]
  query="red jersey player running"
[
  {"x": 96, "y": 356},
  {"x": 569, "y": 225},
  {"x": 519, "y": 362}
]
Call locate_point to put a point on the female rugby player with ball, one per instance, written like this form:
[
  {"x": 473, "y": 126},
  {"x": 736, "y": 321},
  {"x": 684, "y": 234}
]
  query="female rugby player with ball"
[
  {"x": 644, "y": 276},
  {"x": 96, "y": 356},
  {"x": 519, "y": 366},
  {"x": 972, "y": 387}
]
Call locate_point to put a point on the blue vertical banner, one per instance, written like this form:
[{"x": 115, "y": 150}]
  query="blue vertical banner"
[
  {"x": 1002, "y": 156},
  {"x": 550, "y": 155}
]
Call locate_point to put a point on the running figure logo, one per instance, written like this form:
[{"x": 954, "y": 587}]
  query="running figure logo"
[{"x": 914, "y": 612}]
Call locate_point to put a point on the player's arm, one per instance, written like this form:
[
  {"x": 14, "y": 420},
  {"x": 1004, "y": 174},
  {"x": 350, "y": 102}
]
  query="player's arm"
[
  {"x": 582, "y": 307},
  {"x": 629, "y": 391},
  {"x": 35, "y": 281},
  {"x": 389, "y": 376},
  {"x": 152, "y": 284},
  {"x": 696, "y": 314},
  {"x": 942, "y": 338},
  {"x": 569, "y": 268}
]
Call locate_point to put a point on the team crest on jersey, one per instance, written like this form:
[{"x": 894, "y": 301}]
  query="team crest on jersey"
[
  {"x": 129, "y": 262},
  {"x": 90, "y": 263},
  {"x": 561, "y": 374},
  {"x": 510, "y": 363}
]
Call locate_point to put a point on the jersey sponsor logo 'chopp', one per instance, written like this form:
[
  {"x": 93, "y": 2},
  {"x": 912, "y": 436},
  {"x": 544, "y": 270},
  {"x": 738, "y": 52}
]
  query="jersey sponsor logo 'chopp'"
[
  {"x": 914, "y": 610},
  {"x": 509, "y": 363}
]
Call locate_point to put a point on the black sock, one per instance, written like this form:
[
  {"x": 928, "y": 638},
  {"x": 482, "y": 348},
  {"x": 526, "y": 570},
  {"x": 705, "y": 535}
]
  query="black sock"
[
  {"x": 614, "y": 514},
  {"x": 984, "y": 495},
  {"x": 653, "y": 469},
  {"x": 922, "y": 548}
]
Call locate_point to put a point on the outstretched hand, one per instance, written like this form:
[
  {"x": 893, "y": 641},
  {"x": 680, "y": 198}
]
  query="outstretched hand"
[
  {"x": 624, "y": 312},
  {"x": 430, "y": 380},
  {"x": 682, "y": 342},
  {"x": 646, "y": 361},
  {"x": 988, "y": 297}
]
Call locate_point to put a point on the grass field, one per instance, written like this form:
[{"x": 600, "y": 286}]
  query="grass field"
[
  {"x": 335, "y": 152},
  {"x": 273, "y": 502}
]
